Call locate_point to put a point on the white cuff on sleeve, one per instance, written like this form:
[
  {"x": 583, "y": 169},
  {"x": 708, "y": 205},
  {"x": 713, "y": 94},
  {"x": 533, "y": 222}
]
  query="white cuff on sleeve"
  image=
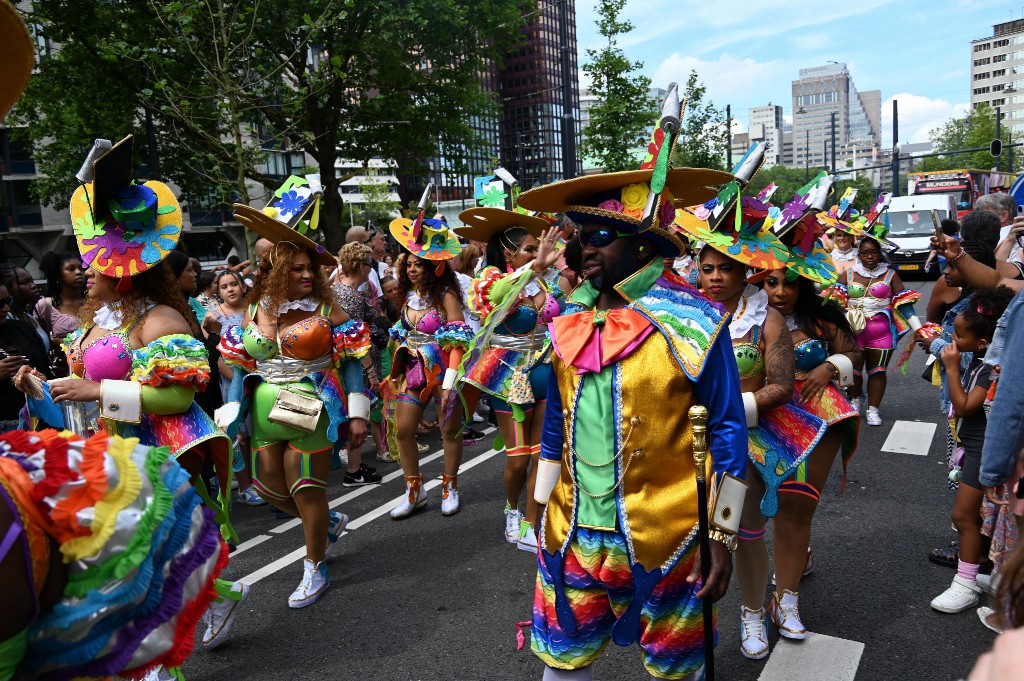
[
  {"x": 226, "y": 414},
  {"x": 844, "y": 366},
  {"x": 750, "y": 409},
  {"x": 121, "y": 401},
  {"x": 547, "y": 477},
  {"x": 358, "y": 406},
  {"x": 914, "y": 322},
  {"x": 449, "y": 379},
  {"x": 728, "y": 504}
]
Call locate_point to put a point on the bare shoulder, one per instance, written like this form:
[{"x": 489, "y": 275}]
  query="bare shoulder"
[
  {"x": 163, "y": 320},
  {"x": 775, "y": 326}
]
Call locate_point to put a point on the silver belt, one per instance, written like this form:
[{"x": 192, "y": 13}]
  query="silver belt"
[
  {"x": 417, "y": 339},
  {"x": 281, "y": 370},
  {"x": 534, "y": 341}
]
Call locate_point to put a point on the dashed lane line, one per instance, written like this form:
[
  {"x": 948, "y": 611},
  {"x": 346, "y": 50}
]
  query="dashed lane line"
[
  {"x": 910, "y": 437},
  {"x": 818, "y": 658},
  {"x": 249, "y": 543},
  {"x": 355, "y": 524},
  {"x": 334, "y": 503}
]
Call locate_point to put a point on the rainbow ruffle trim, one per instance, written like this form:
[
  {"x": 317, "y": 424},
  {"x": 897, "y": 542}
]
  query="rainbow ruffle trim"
[
  {"x": 232, "y": 350},
  {"x": 480, "y": 291},
  {"x": 454, "y": 335},
  {"x": 141, "y": 552},
  {"x": 351, "y": 340},
  {"x": 176, "y": 359}
]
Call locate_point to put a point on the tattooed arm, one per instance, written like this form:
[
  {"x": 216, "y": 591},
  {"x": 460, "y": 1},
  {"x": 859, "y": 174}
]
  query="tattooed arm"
[{"x": 779, "y": 367}]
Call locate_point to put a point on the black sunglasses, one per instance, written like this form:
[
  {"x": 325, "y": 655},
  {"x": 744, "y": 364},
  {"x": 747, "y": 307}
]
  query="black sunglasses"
[{"x": 600, "y": 238}]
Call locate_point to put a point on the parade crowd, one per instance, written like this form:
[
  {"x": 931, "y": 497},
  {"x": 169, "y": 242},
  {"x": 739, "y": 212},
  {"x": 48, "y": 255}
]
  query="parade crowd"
[{"x": 605, "y": 324}]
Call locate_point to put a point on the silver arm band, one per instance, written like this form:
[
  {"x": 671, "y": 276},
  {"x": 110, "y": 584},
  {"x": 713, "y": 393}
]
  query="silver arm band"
[
  {"x": 750, "y": 409},
  {"x": 844, "y": 366},
  {"x": 914, "y": 323},
  {"x": 449, "y": 379},
  {"x": 358, "y": 406},
  {"x": 121, "y": 401}
]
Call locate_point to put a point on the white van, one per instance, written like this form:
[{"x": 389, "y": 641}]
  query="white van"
[{"x": 911, "y": 227}]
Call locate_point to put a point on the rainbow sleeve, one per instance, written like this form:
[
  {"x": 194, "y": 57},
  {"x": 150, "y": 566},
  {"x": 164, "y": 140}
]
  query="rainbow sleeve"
[
  {"x": 176, "y": 359},
  {"x": 351, "y": 340}
]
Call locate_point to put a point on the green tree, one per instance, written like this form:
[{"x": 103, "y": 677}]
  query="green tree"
[
  {"x": 975, "y": 129},
  {"x": 620, "y": 122},
  {"x": 703, "y": 138},
  {"x": 379, "y": 208},
  {"x": 329, "y": 78}
]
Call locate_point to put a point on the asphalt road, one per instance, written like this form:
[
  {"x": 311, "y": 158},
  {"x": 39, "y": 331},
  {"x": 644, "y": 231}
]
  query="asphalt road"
[{"x": 436, "y": 599}]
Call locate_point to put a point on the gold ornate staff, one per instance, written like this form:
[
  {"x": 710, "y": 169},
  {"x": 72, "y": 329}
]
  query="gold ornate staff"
[{"x": 699, "y": 422}]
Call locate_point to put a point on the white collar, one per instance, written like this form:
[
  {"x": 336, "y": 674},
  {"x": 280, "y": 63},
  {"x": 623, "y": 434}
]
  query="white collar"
[
  {"x": 307, "y": 304},
  {"x": 414, "y": 301},
  {"x": 870, "y": 274},
  {"x": 751, "y": 311},
  {"x": 844, "y": 256},
  {"x": 110, "y": 318}
]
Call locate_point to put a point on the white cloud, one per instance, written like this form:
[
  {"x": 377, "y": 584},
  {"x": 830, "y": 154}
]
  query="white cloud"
[
  {"x": 729, "y": 79},
  {"x": 918, "y": 116}
]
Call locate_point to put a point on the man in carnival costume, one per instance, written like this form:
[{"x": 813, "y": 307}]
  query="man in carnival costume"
[{"x": 636, "y": 347}]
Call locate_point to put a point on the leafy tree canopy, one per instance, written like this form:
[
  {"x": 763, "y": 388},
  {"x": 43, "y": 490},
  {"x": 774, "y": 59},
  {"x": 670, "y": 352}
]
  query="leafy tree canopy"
[{"x": 975, "y": 129}]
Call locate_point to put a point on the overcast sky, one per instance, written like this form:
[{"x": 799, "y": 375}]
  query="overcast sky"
[{"x": 747, "y": 52}]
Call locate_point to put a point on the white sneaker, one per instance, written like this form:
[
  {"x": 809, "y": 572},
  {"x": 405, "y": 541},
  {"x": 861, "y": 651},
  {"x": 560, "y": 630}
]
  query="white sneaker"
[
  {"x": 512, "y": 520},
  {"x": 221, "y": 615},
  {"x": 334, "y": 530},
  {"x": 477, "y": 418},
  {"x": 855, "y": 403},
  {"x": 753, "y": 633},
  {"x": 449, "y": 494},
  {"x": 989, "y": 584},
  {"x": 315, "y": 581},
  {"x": 413, "y": 499},
  {"x": 984, "y": 613},
  {"x": 786, "y": 615},
  {"x": 158, "y": 674},
  {"x": 961, "y": 595},
  {"x": 873, "y": 417},
  {"x": 527, "y": 537}
]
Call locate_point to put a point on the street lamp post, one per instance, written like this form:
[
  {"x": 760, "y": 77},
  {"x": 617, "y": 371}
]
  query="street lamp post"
[
  {"x": 999, "y": 118},
  {"x": 832, "y": 116},
  {"x": 568, "y": 120},
  {"x": 728, "y": 135},
  {"x": 807, "y": 146}
]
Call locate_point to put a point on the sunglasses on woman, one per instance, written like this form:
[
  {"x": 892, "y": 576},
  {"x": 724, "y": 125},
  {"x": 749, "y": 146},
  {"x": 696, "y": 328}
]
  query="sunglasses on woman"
[{"x": 600, "y": 238}]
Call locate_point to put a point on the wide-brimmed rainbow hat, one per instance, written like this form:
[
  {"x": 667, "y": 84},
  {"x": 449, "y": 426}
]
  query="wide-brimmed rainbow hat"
[
  {"x": 737, "y": 226},
  {"x": 17, "y": 57},
  {"x": 874, "y": 224},
  {"x": 798, "y": 228},
  {"x": 292, "y": 214},
  {"x": 436, "y": 240},
  {"x": 122, "y": 228},
  {"x": 636, "y": 201}
]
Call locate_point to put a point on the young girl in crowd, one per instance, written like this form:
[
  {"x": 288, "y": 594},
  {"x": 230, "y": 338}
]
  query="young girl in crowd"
[{"x": 968, "y": 392}]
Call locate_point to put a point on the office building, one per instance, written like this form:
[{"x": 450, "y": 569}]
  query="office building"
[
  {"x": 824, "y": 94},
  {"x": 997, "y": 73}
]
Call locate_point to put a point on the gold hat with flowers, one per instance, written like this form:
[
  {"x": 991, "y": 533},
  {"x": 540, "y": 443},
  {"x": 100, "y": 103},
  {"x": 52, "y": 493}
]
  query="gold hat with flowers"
[
  {"x": 293, "y": 214},
  {"x": 122, "y": 228},
  {"x": 17, "y": 57},
  {"x": 637, "y": 201}
]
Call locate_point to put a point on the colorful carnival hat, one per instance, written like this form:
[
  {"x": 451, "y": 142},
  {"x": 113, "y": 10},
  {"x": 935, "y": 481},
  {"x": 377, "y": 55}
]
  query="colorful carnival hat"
[
  {"x": 291, "y": 215},
  {"x": 799, "y": 230},
  {"x": 122, "y": 228},
  {"x": 426, "y": 238},
  {"x": 738, "y": 226},
  {"x": 637, "y": 201},
  {"x": 17, "y": 57},
  {"x": 875, "y": 223},
  {"x": 498, "y": 210}
]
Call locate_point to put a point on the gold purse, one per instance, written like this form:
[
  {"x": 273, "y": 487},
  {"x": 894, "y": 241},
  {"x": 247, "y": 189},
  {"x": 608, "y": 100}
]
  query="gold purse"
[{"x": 296, "y": 410}]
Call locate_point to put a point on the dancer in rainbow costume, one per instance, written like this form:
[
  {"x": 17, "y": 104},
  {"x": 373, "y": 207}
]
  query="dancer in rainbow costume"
[
  {"x": 635, "y": 348},
  {"x": 297, "y": 367},
  {"x": 874, "y": 289},
  {"x": 510, "y": 358},
  {"x": 736, "y": 231}
]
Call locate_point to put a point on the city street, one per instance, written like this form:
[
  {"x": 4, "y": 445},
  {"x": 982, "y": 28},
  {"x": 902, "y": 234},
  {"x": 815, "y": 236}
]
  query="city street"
[{"x": 437, "y": 599}]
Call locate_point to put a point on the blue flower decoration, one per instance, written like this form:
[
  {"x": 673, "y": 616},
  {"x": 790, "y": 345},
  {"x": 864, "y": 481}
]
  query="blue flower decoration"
[
  {"x": 291, "y": 203},
  {"x": 157, "y": 240}
]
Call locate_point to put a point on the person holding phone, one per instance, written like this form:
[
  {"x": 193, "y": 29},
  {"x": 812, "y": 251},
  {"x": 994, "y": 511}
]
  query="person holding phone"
[
  {"x": 1010, "y": 251},
  {"x": 20, "y": 346}
]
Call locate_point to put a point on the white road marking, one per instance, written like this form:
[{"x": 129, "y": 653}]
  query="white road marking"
[
  {"x": 910, "y": 437},
  {"x": 249, "y": 543},
  {"x": 300, "y": 553},
  {"x": 818, "y": 658},
  {"x": 295, "y": 522}
]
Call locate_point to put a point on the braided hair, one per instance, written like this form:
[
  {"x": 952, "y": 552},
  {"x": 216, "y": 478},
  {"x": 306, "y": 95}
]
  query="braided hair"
[{"x": 985, "y": 309}]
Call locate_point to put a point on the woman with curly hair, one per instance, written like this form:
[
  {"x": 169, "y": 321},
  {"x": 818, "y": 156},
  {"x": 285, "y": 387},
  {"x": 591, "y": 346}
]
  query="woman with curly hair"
[
  {"x": 297, "y": 357},
  {"x": 356, "y": 262},
  {"x": 515, "y": 366},
  {"x": 429, "y": 339},
  {"x": 136, "y": 355}
]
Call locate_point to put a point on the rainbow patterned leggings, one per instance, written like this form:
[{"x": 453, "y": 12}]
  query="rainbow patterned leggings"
[{"x": 599, "y": 587}]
